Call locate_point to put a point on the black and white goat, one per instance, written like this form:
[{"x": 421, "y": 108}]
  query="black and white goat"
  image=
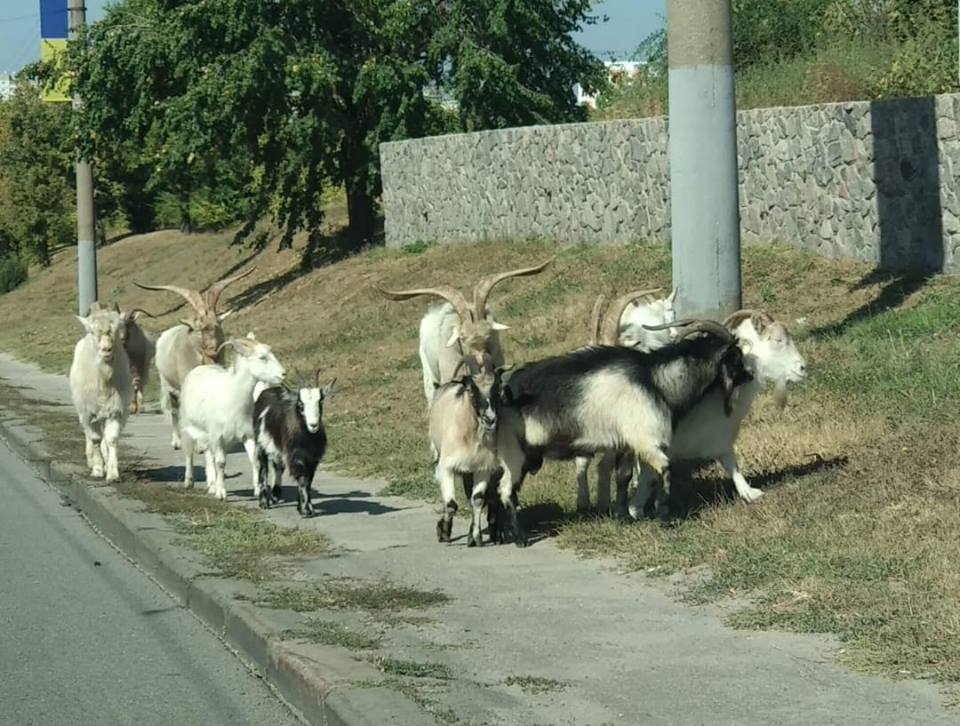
[
  {"x": 463, "y": 431},
  {"x": 610, "y": 399},
  {"x": 710, "y": 429},
  {"x": 289, "y": 433}
]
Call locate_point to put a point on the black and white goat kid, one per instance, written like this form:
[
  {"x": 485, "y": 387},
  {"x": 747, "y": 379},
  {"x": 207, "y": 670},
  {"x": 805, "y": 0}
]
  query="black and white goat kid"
[
  {"x": 463, "y": 431},
  {"x": 289, "y": 433},
  {"x": 611, "y": 399}
]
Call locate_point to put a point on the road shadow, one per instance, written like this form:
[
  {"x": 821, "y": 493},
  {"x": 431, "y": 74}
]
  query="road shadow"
[
  {"x": 168, "y": 474},
  {"x": 329, "y": 504}
]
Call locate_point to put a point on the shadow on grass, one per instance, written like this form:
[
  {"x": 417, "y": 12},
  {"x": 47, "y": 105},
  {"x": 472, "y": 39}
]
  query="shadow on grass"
[
  {"x": 327, "y": 249},
  {"x": 896, "y": 289},
  {"x": 690, "y": 496},
  {"x": 240, "y": 264}
]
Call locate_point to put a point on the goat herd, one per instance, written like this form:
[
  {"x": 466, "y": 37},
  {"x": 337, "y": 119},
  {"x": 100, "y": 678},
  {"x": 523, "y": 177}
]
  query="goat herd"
[{"x": 648, "y": 390}]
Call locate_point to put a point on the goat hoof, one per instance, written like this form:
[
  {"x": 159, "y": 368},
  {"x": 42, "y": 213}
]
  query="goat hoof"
[
  {"x": 443, "y": 531},
  {"x": 307, "y": 511},
  {"x": 277, "y": 493}
]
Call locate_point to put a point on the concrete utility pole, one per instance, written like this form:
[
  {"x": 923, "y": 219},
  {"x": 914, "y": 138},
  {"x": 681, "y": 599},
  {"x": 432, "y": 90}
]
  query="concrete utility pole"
[
  {"x": 705, "y": 206},
  {"x": 86, "y": 238}
]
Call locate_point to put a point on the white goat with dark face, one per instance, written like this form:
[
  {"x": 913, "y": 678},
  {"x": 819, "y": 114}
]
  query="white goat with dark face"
[
  {"x": 708, "y": 431},
  {"x": 101, "y": 388},
  {"x": 463, "y": 432},
  {"x": 458, "y": 329},
  {"x": 633, "y": 316},
  {"x": 217, "y": 407},
  {"x": 197, "y": 340},
  {"x": 289, "y": 433}
]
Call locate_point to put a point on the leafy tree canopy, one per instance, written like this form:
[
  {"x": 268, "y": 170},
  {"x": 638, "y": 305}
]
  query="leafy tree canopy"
[{"x": 304, "y": 91}]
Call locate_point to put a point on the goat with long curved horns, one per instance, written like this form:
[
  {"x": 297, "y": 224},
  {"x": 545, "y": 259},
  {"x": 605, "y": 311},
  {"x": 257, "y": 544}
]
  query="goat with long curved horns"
[
  {"x": 196, "y": 341},
  {"x": 459, "y": 328}
]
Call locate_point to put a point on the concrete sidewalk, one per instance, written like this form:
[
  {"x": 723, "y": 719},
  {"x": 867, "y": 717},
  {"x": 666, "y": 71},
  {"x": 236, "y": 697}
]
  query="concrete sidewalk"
[{"x": 612, "y": 648}]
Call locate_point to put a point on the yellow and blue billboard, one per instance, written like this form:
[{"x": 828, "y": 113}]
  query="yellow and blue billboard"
[{"x": 54, "y": 29}]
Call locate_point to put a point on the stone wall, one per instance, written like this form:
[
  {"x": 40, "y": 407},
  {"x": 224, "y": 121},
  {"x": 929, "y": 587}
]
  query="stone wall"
[{"x": 869, "y": 181}]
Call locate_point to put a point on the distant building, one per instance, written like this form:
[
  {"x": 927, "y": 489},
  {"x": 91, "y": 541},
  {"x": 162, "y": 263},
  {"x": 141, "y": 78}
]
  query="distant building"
[
  {"x": 7, "y": 86},
  {"x": 617, "y": 72}
]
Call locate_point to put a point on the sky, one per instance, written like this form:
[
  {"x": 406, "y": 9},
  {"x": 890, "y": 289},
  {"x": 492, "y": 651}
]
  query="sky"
[{"x": 630, "y": 21}]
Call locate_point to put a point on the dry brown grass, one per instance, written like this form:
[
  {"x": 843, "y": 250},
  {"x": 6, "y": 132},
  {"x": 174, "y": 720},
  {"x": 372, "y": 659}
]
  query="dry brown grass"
[{"x": 856, "y": 535}]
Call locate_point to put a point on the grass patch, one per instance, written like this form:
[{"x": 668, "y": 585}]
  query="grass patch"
[
  {"x": 374, "y": 597},
  {"x": 241, "y": 544},
  {"x": 535, "y": 685},
  {"x": 413, "y": 669},
  {"x": 327, "y": 632}
]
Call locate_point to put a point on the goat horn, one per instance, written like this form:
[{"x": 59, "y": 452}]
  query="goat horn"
[
  {"x": 735, "y": 319},
  {"x": 318, "y": 377},
  {"x": 213, "y": 292},
  {"x": 131, "y": 311},
  {"x": 191, "y": 296},
  {"x": 610, "y": 327},
  {"x": 595, "y": 317},
  {"x": 451, "y": 294},
  {"x": 482, "y": 291},
  {"x": 694, "y": 326}
]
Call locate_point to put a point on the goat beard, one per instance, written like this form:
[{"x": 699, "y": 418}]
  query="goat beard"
[{"x": 780, "y": 395}]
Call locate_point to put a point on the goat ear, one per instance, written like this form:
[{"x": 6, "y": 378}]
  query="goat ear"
[
  {"x": 330, "y": 388},
  {"x": 223, "y": 316},
  {"x": 251, "y": 336},
  {"x": 499, "y": 326},
  {"x": 84, "y": 322},
  {"x": 454, "y": 337}
]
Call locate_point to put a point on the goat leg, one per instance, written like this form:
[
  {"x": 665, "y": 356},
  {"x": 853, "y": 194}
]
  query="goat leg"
[
  {"x": 583, "y": 483},
  {"x": 304, "y": 505},
  {"x": 263, "y": 467}
]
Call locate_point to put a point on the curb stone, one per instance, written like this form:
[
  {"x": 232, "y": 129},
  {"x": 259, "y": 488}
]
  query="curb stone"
[{"x": 308, "y": 678}]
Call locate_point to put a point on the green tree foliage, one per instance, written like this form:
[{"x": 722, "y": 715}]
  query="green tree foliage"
[
  {"x": 36, "y": 194},
  {"x": 305, "y": 91},
  {"x": 810, "y": 51}
]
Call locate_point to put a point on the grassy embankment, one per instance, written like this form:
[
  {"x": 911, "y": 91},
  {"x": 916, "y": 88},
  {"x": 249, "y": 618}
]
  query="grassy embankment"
[{"x": 857, "y": 532}]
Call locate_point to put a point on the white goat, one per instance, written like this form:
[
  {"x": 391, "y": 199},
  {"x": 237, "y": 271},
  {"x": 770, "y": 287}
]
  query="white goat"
[
  {"x": 451, "y": 332},
  {"x": 463, "y": 431},
  {"x": 216, "y": 408},
  {"x": 650, "y": 311},
  {"x": 633, "y": 315},
  {"x": 101, "y": 388},
  {"x": 140, "y": 349},
  {"x": 708, "y": 432},
  {"x": 197, "y": 340}
]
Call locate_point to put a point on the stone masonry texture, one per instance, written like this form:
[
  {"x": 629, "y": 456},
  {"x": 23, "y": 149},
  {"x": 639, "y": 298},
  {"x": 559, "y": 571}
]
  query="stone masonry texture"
[{"x": 871, "y": 181}]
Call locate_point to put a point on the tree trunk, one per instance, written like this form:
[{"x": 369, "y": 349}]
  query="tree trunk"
[
  {"x": 355, "y": 163},
  {"x": 361, "y": 211}
]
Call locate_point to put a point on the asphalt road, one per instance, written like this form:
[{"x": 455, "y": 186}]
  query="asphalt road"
[{"x": 86, "y": 638}]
